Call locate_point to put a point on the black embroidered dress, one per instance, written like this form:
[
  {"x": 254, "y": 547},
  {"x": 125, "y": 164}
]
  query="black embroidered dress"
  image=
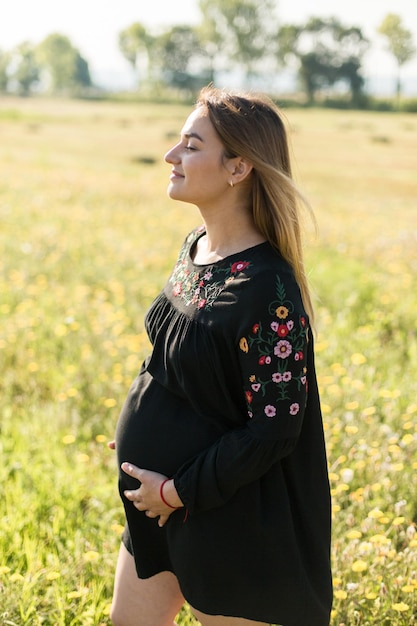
[{"x": 227, "y": 404}]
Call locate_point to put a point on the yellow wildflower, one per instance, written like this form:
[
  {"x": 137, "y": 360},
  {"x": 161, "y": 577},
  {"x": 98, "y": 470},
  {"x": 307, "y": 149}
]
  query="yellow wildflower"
[{"x": 359, "y": 566}]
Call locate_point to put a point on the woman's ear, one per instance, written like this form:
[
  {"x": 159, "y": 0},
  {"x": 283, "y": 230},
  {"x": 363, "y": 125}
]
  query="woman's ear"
[{"x": 239, "y": 168}]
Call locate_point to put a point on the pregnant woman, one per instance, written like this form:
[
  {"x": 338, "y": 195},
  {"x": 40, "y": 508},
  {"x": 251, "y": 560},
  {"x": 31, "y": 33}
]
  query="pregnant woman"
[{"x": 223, "y": 471}]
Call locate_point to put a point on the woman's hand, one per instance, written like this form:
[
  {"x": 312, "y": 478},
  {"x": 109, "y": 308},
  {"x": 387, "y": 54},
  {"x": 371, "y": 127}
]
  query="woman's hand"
[{"x": 147, "y": 498}]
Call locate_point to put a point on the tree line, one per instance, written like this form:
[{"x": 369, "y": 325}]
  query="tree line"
[
  {"x": 233, "y": 36},
  {"x": 54, "y": 65}
]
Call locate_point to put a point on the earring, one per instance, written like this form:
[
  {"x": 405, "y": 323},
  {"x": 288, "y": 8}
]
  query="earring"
[{"x": 231, "y": 183}]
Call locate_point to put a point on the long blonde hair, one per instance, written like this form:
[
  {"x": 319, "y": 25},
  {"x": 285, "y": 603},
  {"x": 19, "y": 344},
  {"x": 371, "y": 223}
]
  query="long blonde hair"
[{"x": 251, "y": 126}]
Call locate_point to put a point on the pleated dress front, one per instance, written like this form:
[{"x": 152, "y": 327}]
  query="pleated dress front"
[{"x": 227, "y": 404}]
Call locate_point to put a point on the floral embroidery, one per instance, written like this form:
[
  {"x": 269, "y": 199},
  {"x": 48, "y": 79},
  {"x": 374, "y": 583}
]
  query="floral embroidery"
[
  {"x": 239, "y": 266},
  {"x": 270, "y": 410},
  {"x": 283, "y": 330},
  {"x": 281, "y": 346},
  {"x": 201, "y": 288},
  {"x": 243, "y": 345},
  {"x": 281, "y": 312},
  {"x": 264, "y": 360},
  {"x": 283, "y": 349}
]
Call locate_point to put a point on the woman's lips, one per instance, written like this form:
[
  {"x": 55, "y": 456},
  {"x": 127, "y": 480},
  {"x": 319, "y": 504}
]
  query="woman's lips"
[{"x": 175, "y": 175}]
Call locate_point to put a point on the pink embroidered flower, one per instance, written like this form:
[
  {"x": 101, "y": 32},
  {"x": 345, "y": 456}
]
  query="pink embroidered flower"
[
  {"x": 239, "y": 266},
  {"x": 286, "y": 377},
  {"x": 208, "y": 275},
  {"x": 290, "y": 325},
  {"x": 268, "y": 360},
  {"x": 256, "y": 387},
  {"x": 283, "y": 349},
  {"x": 299, "y": 356},
  {"x": 201, "y": 303},
  {"x": 249, "y": 396},
  {"x": 294, "y": 408},
  {"x": 277, "y": 377},
  {"x": 201, "y": 283},
  {"x": 255, "y": 328},
  {"x": 282, "y": 330},
  {"x": 177, "y": 289},
  {"x": 303, "y": 380},
  {"x": 270, "y": 411},
  {"x": 274, "y": 326}
]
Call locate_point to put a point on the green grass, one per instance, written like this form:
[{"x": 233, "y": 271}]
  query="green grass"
[{"x": 87, "y": 237}]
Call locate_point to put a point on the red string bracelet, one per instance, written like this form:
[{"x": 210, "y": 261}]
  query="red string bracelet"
[{"x": 161, "y": 493}]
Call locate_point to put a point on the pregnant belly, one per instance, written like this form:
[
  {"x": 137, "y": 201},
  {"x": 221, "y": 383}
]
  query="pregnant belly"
[{"x": 158, "y": 430}]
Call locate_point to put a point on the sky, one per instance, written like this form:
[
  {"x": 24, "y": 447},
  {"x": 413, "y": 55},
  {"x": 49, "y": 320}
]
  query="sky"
[{"x": 93, "y": 27}]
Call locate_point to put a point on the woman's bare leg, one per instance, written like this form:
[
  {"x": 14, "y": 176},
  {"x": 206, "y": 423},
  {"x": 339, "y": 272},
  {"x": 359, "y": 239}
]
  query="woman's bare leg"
[
  {"x": 151, "y": 602},
  {"x": 220, "y": 620}
]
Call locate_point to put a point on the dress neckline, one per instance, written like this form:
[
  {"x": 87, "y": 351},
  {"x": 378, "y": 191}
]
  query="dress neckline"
[{"x": 200, "y": 232}]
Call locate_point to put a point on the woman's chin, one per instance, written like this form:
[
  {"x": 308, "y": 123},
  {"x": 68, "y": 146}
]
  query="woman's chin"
[{"x": 174, "y": 194}]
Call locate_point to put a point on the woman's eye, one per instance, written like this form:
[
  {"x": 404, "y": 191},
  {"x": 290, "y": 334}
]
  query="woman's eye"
[{"x": 190, "y": 148}]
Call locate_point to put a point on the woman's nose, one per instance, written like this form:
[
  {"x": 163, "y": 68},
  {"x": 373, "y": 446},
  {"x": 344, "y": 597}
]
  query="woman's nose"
[{"x": 172, "y": 156}]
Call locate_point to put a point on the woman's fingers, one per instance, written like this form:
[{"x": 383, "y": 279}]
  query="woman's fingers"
[
  {"x": 132, "y": 470},
  {"x": 133, "y": 495},
  {"x": 147, "y": 497}
]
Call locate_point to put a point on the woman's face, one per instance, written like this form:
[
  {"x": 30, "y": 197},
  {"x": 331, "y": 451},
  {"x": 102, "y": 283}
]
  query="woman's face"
[{"x": 199, "y": 168}]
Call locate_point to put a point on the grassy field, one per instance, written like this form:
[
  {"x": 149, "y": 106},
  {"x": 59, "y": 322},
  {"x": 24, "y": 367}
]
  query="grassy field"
[{"x": 87, "y": 239}]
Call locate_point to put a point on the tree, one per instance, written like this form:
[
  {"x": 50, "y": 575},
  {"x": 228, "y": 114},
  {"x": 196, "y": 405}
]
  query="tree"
[
  {"x": 68, "y": 70},
  {"x": 400, "y": 43},
  {"x": 327, "y": 53},
  {"x": 238, "y": 29},
  {"x": 210, "y": 38},
  {"x": 27, "y": 72},
  {"x": 181, "y": 58},
  {"x": 136, "y": 45},
  {"x": 4, "y": 76}
]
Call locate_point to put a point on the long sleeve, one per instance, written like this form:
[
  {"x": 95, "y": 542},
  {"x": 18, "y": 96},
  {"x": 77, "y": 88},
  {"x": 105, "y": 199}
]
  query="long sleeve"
[{"x": 270, "y": 344}]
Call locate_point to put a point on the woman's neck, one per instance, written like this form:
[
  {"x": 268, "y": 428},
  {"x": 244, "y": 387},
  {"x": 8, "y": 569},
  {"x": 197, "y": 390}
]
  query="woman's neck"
[{"x": 226, "y": 237}]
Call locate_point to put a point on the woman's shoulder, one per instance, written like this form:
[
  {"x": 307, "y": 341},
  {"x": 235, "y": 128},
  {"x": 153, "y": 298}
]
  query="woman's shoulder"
[
  {"x": 270, "y": 283},
  {"x": 267, "y": 266}
]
